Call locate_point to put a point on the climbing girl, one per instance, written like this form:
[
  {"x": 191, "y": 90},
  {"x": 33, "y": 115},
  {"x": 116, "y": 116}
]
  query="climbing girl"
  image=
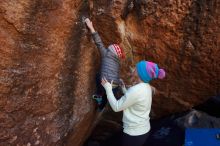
[{"x": 110, "y": 64}]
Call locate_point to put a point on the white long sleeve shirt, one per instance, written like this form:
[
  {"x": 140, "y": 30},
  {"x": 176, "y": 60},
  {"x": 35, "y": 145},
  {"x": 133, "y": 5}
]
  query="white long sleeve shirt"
[{"x": 136, "y": 105}]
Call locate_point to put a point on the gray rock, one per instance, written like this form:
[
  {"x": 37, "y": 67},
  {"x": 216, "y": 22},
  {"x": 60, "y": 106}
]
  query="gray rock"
[{"x": 198, "y": 119}]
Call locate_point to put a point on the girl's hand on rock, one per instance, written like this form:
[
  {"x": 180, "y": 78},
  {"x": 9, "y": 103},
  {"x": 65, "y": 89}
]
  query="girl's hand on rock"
[{"x": 89, "y": 25}]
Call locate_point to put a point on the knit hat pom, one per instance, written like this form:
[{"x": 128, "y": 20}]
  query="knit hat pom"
[{"x": 161, "y": 74}]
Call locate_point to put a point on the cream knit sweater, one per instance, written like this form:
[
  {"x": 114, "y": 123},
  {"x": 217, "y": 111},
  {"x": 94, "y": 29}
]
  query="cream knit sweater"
[{"x": 136, "y": 106}]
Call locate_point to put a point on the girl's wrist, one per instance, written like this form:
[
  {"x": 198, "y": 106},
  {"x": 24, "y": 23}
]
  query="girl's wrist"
[
  {"x": 92, "y": 30},
  {"x": 107, "y": 86}
]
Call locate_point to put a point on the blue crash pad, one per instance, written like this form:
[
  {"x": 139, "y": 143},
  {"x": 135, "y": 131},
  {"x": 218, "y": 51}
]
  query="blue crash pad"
[{"x": 202, "y": 137}]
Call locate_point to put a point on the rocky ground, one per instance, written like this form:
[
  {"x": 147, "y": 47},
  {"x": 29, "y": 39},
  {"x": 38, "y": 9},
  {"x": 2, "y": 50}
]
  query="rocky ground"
[{"x": 166, "y": 131}]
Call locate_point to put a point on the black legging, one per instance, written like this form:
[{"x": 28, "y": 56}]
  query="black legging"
[
  {"x": 128, "y": 140},
  {"x": 100, "y": 90}
]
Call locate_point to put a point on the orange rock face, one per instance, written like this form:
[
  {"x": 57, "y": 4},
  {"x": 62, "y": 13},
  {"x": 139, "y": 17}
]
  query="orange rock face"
[
  {"x": 181, "y": 36},
  {"x": 46, "y": 72},
  {"x": 48, "y": 61}
]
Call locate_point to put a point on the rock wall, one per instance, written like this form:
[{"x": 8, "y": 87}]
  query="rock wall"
[
  {"x": 48, "y": 61},
  {"x": 181, "y": 36},
  {"x": 47, "y": 68}
]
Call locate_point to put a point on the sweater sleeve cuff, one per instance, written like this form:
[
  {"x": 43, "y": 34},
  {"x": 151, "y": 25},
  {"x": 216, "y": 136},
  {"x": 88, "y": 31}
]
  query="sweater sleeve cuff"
[
  {"x": 94, "y": 33},
  {"x": 124, "y": 90}
]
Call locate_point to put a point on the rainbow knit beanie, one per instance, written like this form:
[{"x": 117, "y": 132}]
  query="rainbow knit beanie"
[{"x": 148, "y": 70}]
